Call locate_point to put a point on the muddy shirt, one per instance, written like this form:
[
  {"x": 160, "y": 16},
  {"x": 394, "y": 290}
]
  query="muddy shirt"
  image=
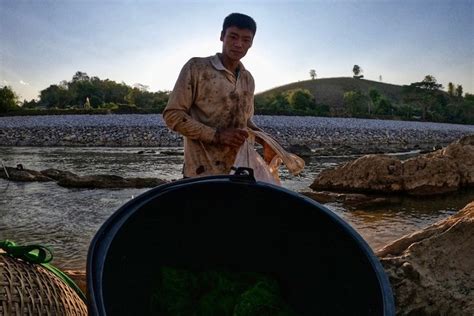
[{"x": 207, "y": 97}]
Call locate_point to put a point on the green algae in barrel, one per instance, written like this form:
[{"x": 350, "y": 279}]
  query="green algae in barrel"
[{"x": 183, "y": 292}]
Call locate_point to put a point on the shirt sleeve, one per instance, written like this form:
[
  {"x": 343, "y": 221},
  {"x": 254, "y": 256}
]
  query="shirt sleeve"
[{"x": 176, "y": 113}]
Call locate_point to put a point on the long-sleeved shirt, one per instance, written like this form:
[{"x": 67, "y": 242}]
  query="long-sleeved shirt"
[{"x": 207, "y": 97}]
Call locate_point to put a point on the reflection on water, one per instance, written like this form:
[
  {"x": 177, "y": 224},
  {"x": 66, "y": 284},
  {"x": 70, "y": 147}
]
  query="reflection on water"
[
  {"x": 67, "y": 219},
  {"x": 381, "y": 225}
]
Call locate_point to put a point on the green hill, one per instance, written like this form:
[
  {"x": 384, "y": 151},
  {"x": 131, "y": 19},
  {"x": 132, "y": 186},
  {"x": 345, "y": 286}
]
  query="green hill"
[{"x": 330, "y": 91}]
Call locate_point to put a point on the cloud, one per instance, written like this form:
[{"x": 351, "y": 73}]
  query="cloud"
[
  {"x": 24, "y": 83},
  {"x": 4, "y": 82}
]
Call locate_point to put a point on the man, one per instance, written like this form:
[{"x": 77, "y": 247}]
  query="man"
[{"x": 212, "y": 105}]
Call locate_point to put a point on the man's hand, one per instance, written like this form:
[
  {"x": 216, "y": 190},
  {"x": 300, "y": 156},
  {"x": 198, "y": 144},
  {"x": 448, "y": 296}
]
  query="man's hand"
[
  {"x": 233, "y": 137},
  {"x": 268, "y": 153}
]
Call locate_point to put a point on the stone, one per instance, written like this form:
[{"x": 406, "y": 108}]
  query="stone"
[
  {"x": 351, "y": 200},
  {"x": 56, "y": 174},
  {"x": 439, "y": 172},
  {"x": 432, "y": 270},
  {"x": 368, "y": 173},
  {"x": 23, "y": 175},
  {"x": 430, "y": 174},
  {"x": 71, "y": 180},
  {"x": 103, "y": 181},
  {"x": 300, "y": 150}
]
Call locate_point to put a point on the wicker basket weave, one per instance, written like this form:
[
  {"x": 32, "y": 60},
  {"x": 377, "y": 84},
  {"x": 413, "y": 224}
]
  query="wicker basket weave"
[{"x": 30, "y": 289}]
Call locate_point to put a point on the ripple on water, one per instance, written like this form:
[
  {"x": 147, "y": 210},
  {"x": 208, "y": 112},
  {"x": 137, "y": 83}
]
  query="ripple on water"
[{"x": 67, "y": 219}]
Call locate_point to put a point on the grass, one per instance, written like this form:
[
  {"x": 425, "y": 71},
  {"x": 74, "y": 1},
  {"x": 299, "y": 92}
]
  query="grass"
[{"x": 331, "y": 90}]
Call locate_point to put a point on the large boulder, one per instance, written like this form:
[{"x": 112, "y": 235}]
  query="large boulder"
[
  {"x": 442, "y": 171},
  {"x": 371, "y": 172},
  {"x": 432, "y": 270},
  {"x": 463, "y": 153},
  {"x": 430, "y": 174}
]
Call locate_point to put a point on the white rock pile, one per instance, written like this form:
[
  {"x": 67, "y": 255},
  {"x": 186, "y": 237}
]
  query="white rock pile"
[{"x": 138, "y": 130}]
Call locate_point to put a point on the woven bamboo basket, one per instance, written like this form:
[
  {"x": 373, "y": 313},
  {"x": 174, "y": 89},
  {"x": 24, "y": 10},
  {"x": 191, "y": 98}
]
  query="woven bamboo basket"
[{"x": 30, "y": 289}]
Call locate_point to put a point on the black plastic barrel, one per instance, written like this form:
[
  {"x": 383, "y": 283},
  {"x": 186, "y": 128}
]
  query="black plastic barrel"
[{"x": 323, "y": 266}]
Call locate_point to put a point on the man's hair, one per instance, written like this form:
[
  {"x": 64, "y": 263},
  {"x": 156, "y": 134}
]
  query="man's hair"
[{"x": 241, "y": 21}]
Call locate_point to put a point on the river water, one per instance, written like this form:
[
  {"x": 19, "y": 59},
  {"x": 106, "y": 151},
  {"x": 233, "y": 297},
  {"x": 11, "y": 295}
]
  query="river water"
[{"x": 67, "y": 219}]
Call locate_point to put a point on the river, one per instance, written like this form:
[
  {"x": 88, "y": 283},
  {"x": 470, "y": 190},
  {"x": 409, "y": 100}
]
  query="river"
[{"x": 67, "y": 219}]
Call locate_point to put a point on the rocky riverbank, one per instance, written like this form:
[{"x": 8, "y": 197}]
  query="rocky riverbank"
[
  {"x": 445, "y": 170},
  {"x": 314, "y": 134},
  {"x": 432, "y": 270}
]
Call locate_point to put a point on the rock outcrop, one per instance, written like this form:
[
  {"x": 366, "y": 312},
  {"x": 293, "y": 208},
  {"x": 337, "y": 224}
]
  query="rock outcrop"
[
  {"x": 442, "y": 171},
  {"x": 432, "y": 271},
  {"x": 71, "y": 180}
]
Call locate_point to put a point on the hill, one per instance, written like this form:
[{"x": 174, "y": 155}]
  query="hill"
[{"x": 330, "y": 91}]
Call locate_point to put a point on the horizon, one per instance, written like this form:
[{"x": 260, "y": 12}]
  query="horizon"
[{"x": 148, "y": 42}]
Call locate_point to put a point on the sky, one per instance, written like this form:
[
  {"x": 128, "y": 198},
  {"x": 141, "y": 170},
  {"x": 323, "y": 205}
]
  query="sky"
[{"x": 148, "y": 42}]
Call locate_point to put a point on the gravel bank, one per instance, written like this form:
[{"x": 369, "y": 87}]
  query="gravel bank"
[{"x": 137, "y": 130}]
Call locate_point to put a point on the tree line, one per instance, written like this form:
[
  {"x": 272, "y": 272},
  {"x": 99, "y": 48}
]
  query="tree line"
[
  {"x": 89, "y": 93},
  {"x": 424, "y": 100}
]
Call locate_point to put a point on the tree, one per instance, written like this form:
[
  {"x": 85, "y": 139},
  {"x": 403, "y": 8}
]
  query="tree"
[
  {"x": 374, "y": 96},
  {"x": 461, "y": 110},
  {"x": 429, "y": 83},
  {"x": 114, "y": 92},
  {"x": 83, "y": 88},
  {"x": 425, "y": 94},
  {"x": 29, "y": 104},
  {"x": 406, "y": 111},
  {"x": 64, "y": 84},
  {"x": 380, "y": 78},
  {"x": 384, "y": 107},
  {"x": 312, "y": 73},
  {"x": 140, "y": 98},
  {"x": 55, "y": 96},
  {"x": 355, "y": 102},
  {"x": 459, "y": 91},
  {"x": 451, "y": 89},
  {"x": 356, "y": 70},
  {"x": 278, "y": 103},
  {"x": 301, "y": 100},
  {"x": 80, "y": 76},
  {"x": 8, "y": 100},
  {"x": 160, "y": 99},
  {"x": 141, "y": 87}
]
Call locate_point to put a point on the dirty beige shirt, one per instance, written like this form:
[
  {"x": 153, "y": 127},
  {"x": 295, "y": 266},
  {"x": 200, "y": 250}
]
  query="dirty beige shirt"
[{"x": 207, "y": 97}]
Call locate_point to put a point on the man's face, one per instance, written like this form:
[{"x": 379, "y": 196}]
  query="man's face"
[{"x": 236, "y": 42}]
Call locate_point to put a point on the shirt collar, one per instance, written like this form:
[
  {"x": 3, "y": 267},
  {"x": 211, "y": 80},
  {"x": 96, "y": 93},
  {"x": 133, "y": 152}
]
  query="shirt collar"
[{"x": 217, "y": 63}]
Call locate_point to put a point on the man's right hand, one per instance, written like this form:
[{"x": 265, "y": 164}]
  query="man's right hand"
[{"x": 233, "y": 137}]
